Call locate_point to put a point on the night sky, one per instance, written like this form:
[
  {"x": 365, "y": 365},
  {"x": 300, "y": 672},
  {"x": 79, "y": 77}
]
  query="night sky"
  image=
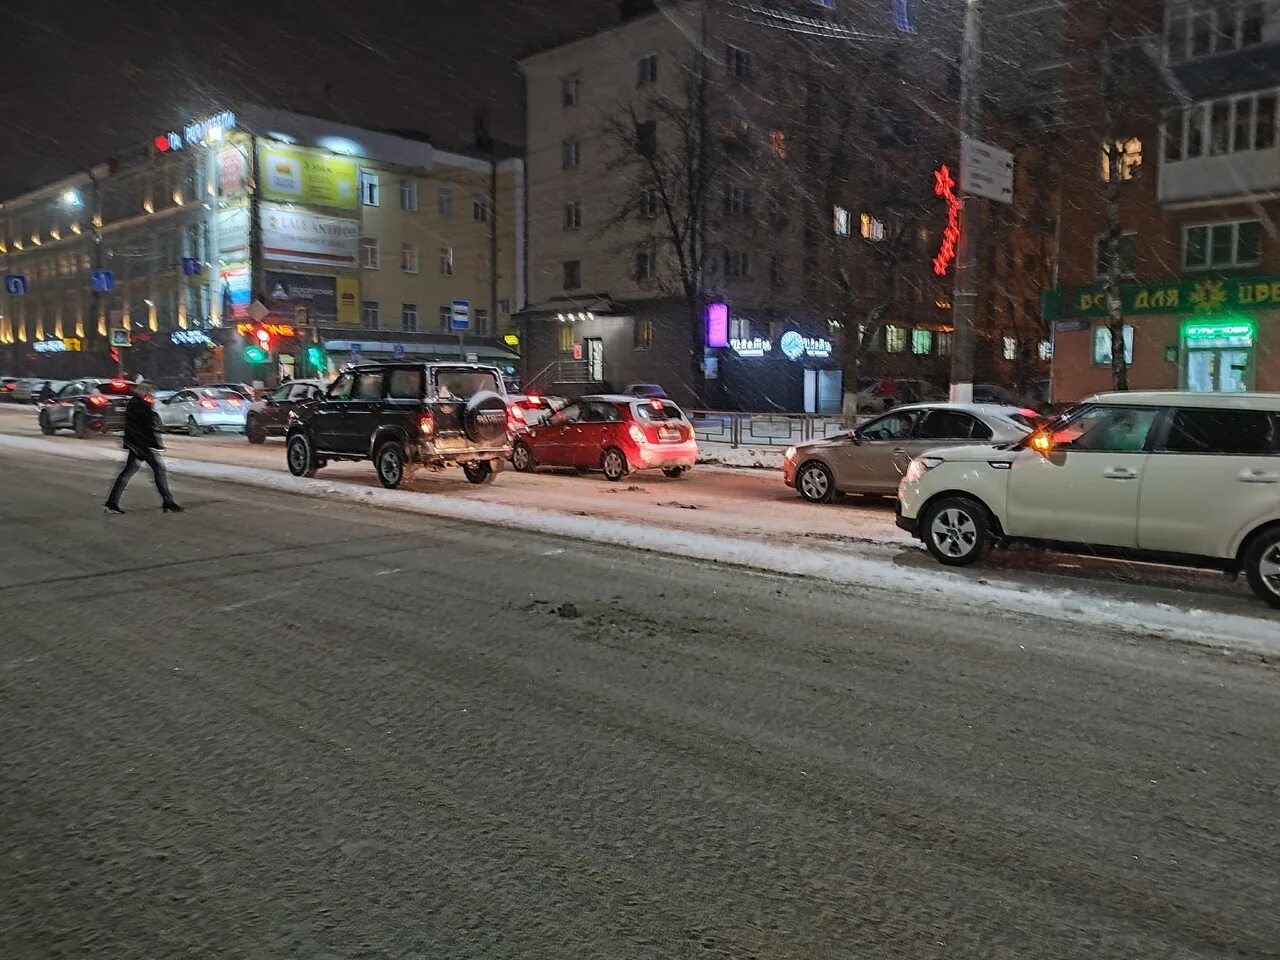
[{"x": 85, "y": 79}]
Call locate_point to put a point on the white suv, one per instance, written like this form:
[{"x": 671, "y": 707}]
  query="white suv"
[{"x": 1183, "y": 478}]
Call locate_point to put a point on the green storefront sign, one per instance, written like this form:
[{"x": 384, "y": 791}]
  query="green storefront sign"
[{"x": 1203, "y": 296}]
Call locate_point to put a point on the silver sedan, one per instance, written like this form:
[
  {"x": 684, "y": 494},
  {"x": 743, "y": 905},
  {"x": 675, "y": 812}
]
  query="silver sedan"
[{"x": 200, "y": 410}]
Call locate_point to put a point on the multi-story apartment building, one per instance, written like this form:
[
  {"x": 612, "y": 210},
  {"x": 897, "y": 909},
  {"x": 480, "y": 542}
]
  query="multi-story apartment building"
[
  {"x": 714, "y": 207},
  {"x": 324, "y": 235},
  {"x": 1199, "y": 191}
]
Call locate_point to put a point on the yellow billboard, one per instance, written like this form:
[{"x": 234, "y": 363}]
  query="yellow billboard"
[
  {"x": 349, "y": 301},
  {"x": 303, "y": 175}
]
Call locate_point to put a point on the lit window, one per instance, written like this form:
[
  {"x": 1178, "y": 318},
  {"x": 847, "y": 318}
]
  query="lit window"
[
  {"x": 1128, "y": 156},
  {"x": 408, "y": 258},
  {"x": 409, "y": 317},
  {"x": 643, "y": 339},
  {"x": 1102, "y": 345},
  {"x": 1010, "y": 348},
  {"x": 369, "y": 192},
  {"x": 921, "y": 342},
  {"x": 895, "y": 339},
  {"x": 409, "y": 195},
  {"x": 778, "y": 144},
  {"x": 1046, "y": 350},
  {"x": 840, "y": 221},
  {"x": 369, "y": 253},
  {"x": 870, "y": 228},
  {"x": 565, "y": 340},
  {"x": 446, "y": 261}
]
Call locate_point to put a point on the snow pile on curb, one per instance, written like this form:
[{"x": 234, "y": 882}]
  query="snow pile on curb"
[
  {"x": 1196, "y": 626},
  {"x": 727, "y": 455}
]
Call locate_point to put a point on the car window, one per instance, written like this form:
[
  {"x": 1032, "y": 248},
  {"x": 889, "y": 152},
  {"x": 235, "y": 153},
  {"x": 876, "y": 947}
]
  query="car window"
[
  {"x": 405, "y": 384},
  {"x": 568, "y": 415},
  {"x": 894, "y": 426},
  {"x": 657, "y": 410},
  {"x": 1107, "y": 429},
  {"x": 952, "y": 425},
  {"x": 69, "y": 390},
  {"x": 1223, "y": 431},
  {"x": 186, "y": 396},
  {"x": 461, "y": 383},
  {"x": 340, "y": 389},
  {"x": 300, "y": 391},
  {"x": 369, "y": 385},
  {"x": 283, "y": 393}
]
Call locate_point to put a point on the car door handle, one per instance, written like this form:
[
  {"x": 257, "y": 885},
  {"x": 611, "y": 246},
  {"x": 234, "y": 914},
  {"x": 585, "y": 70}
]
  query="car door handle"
[
  {"x": 1120, "y": 473},
  {"x": 1257, "y": 476}
]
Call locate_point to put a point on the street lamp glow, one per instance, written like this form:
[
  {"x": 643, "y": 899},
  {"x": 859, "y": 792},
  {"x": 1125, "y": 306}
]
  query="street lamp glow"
[{"x": 71, "y": 198}]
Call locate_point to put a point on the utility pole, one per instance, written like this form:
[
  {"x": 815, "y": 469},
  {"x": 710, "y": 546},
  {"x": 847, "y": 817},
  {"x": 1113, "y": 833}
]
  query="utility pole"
[{"x": 966, "y": 294}]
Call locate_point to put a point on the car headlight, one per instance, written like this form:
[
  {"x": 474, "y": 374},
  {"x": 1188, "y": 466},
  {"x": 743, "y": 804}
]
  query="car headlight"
[
  {"x": 789, "y": 453},
  {"x": 919, "y": 467}
]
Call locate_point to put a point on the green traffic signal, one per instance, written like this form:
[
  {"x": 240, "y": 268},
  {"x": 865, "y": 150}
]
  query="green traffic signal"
[
  {"x": 316, "y": 356},
  {"x": 255, "y": 354}
]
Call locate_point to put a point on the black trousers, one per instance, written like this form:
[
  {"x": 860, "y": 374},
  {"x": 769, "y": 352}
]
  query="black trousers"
[{"x": 152, "y": 459}]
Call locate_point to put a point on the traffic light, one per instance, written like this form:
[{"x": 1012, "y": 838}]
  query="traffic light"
[
  {"x": 259, "y": 348},
  {"x": 264, "y": 339},
  {"x": 255, "y": 354}
]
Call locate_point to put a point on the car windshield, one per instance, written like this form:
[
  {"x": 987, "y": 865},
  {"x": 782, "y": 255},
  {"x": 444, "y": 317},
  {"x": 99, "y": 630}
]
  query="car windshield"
[
  {"x": 461, "y": 383},
  {"x": 658, "y": 410}
]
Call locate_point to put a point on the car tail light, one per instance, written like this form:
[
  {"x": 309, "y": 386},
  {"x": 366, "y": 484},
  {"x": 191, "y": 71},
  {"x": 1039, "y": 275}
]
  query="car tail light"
[
  {"x": 234, "y": 401},
  {"x": 97, "y": 401},
  {"x": 655, "y": 403},
  {"x": 427, "y": 424},
  {"x": 637, "y": 434},
  {"x": 209, "y": 404}
]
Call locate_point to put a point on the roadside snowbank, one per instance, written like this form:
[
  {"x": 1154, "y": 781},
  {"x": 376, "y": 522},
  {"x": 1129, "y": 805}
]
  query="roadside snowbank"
[
  {"x": 764, "y": 458},
  {"x": 946, "y": 589}
]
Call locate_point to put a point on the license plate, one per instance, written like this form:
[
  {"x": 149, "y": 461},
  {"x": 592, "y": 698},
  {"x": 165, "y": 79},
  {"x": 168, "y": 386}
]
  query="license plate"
[{"x": 668, "y": 433}]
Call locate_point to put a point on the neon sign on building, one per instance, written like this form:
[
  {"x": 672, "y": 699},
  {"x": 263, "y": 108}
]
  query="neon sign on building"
[{"x": 944, "y": 185}]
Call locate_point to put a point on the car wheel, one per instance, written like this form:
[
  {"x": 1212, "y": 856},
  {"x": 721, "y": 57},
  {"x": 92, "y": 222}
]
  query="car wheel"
[
  {"x": 957, "y": 531},
  {"x": 389, "y": 461},
  {"x": 481, "y": 472},
  {"x": 194, "y": 428},
  {"x": 522, "y": 457},
  {"x": 80, "y": 425},
  {"x": 46, "y": 427},
  {"x": 1262, "y": 566},
  {"x": 254, "y": 431},
  {"x": 815, "y": 483},
  {"x": 301, "y": 457},
  {"x": 675, "y": 473},
  {"x": 614, "y": 464}
]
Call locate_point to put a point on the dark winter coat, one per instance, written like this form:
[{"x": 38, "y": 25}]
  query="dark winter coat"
[{"x": 140, "y": 425}]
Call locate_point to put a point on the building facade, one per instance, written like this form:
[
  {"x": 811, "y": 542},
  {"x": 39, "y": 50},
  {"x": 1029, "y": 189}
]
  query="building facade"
[
  {"x": 334, "y": 242},
  {"x": 1199, "y": 179}
]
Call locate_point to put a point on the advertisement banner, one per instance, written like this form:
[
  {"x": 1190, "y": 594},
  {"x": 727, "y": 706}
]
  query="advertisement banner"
[
  {"x": 1208, "y": 295},
  {"x": 235, "y": 291},
  {"x": 232, "y": 228},
  {"x": 298, "y": 236},
  {"x": 349, "y": 301},
  {"x": 303, "y": 175},
  {"x": 289, "y": 291},
  {"x": 231, "y": 172}
]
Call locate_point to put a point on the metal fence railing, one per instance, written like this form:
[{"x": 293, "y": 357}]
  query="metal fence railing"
[{"x": 764, "y": 429}]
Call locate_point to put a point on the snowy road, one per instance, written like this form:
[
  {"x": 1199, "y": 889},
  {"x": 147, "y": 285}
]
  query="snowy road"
[{"x": 269, "y": 728}]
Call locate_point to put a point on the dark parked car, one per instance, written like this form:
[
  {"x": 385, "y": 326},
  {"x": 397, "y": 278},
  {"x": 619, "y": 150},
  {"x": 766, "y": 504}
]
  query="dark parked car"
[
  {"x": 645, "y": 390},
  {"x": 401, "y": 415},
  {"x": 269, "y": 417},
  {"x": 87, "y": 406}
]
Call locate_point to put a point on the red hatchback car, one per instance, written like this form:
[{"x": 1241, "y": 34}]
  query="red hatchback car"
[{"x": 612, "y": 433}]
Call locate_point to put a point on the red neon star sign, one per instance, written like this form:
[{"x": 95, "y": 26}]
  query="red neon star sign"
[{"x": 944, "y": 185}]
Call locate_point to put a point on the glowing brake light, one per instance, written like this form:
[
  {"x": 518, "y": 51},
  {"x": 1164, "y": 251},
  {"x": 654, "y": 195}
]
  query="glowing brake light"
[
  {"x": 209, "y": 404},
  {"x": 98, "y": 401},
  {"x": 118, "y": 383},
  {"x": 655, "y": 403},
  {"x": 427, "y": 424},
  {"x": 234, "y": 401}
]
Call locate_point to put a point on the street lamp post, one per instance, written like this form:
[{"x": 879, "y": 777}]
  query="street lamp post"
[{"x": 966, "y": 293}]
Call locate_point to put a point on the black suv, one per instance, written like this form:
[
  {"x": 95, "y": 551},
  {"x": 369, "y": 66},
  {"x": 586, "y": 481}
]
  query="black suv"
[{"x": 400, "y": 415}]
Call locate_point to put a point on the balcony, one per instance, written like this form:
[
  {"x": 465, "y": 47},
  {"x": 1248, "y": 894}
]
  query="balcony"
[
  {"x": 1221, "y": 147},
  {"x": 1220, "y": 177}
]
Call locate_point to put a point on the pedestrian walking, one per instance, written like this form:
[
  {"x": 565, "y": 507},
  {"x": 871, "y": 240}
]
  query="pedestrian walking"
[
  {"x": 143, "y": 443},
  {"x": 46, "y": 393}
]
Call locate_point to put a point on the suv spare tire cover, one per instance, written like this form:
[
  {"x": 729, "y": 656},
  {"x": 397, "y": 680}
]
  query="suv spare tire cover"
[{"x": 485, "y": 419}]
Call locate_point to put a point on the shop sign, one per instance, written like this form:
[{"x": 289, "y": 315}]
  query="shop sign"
[
  {"x": 297, "y": 236},
  {"x": 275, "y": 329},
  {"x": 1208, "y": 295},
  {"x": 717, "y": 325},
  {"x": 210, "y": 128},
  {"x": 316, "y": 294},
  {"x": 1234, "y": 333},
  {"x": 944, "y": 185},
  {"x": 349, "y": 301},
  {"x": 751, "y": 347},
  {"x": 49, "y": 346},
  {"x": 190, "y": 338},
  {"x": 305, "y": 175},
  {"x": 795, "y": 346}
]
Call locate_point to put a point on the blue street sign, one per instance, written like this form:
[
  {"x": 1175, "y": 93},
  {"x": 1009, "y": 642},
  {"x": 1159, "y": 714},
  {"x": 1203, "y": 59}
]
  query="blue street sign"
[
  {"x": 102, "y": 281},
  {"x": 398, "y": 351},
  {"x": 904, "y": 18},
  {"x": 355, "y": 349},
  {"x": 190, "y": 267},
  {"x": 460, "y": 315},
  {"x": 15, "y": 284}
]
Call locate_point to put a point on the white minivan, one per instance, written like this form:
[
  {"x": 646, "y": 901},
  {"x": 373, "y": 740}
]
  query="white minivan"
[{"x": 1183, "y": 478}]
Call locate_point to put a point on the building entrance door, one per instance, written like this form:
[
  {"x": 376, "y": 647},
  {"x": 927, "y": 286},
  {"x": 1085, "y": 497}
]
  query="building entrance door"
[
  {"x": 595, "y": 359},
  {"x": 1219, "y": 356}
]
